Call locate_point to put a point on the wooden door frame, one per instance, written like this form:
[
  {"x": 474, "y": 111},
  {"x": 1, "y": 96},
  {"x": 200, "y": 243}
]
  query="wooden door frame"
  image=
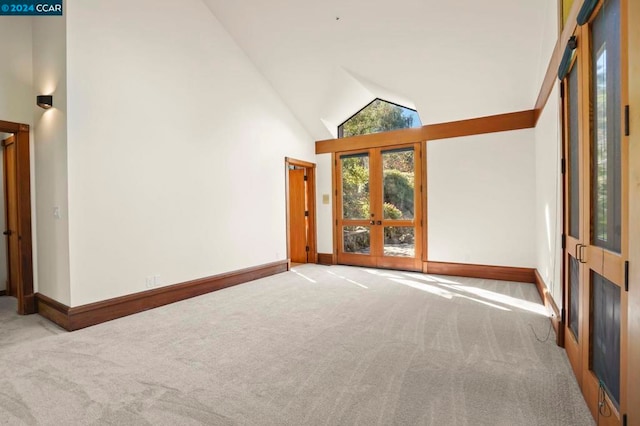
[
  {"x": 25, "y": 293},
  {"x": 598, "y": 259},
  {"x": 311, "y": 198},
  {"x": 419, "y": 148}
]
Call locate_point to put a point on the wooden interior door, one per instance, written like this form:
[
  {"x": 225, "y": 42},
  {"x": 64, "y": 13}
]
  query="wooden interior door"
[
  {"x": 11, "y": 216},
  {"x": 596, "y": 214},
  {"x": 298, "y": 216},
  {"x": 379, "y": 208},
  {"x": 605, "y": 216},
  {"x": 573, "y": 239}
]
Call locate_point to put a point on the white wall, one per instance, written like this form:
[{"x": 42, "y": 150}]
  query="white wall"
[
  {"x": 548, "y": 208},
  {"x": 16, "y": 100},
  {"x": 16, "y": 95},
  {"x": 50, "y": 133},
  {"x": 176, "y": 149},
  {"x": 324, "y": 219},
  {"x": 548, "y": 37},
  {"x": 548, "y": 140},
  {"x": 480, "y": 199}
]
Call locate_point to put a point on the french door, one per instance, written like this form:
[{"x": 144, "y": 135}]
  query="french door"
[
  {"x": 596, "y": 215},
  {"x": 574, "y": 216},
  {"x": 379, "y": 207}
]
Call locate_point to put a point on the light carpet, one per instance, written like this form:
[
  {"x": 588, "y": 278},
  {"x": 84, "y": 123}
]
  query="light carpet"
[{"x": 314, "y": 346}]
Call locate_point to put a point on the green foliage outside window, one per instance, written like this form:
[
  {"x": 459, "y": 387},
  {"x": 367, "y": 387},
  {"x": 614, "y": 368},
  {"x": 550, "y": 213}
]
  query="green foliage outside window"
[{"x": 379, "y": 116}]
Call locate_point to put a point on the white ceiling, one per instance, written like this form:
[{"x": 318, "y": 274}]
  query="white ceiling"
[{"x": 450, "y": 59}]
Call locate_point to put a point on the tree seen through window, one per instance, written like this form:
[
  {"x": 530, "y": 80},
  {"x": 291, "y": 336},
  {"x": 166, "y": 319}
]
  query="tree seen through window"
[{"x": 379, "y": 116}]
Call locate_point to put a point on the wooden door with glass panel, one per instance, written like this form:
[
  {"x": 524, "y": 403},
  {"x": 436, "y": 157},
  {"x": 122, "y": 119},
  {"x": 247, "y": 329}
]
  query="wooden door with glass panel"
[
  {"x": 596, "y": 215},
  {"x": 573, "y": 242},
  {"x": 605, "y": 207},
  {"x": 379, "y": 209}
]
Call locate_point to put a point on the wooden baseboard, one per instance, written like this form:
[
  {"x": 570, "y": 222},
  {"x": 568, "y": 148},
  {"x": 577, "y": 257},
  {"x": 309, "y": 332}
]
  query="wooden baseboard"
[
  {"x": 53, "y": 310},
  {"x": 504, "y": 273},
  {"x": 95, "y": 313},
  {"x": 325, "y": 259},
  {"x": 556, "y": 319}
]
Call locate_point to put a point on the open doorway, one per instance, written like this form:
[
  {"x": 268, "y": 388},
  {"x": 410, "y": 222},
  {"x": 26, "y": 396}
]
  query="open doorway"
[
  {"x": 17, "y": 259},
  {"x": 301, "y": 211}
]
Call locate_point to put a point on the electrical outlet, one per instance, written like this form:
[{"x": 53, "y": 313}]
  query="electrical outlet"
[
  {"x": 149, "y": 282},
  {"x": 156, "y": 280}
]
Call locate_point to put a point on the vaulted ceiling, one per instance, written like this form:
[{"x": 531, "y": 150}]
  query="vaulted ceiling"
[{"x": 449, "y": 59}]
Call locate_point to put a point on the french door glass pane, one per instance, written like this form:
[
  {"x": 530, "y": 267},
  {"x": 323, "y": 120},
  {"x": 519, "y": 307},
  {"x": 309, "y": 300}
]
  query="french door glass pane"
[
  {"x": 356, "y": 239},
  {"x": 606, "y": 146},
  {"x": 574, "y": 157},
  {"x": 574, "y": 297},
  {"x": 355, "y": 186},
  {"x": 399, "y": 241},
  {"x": 605, "y": 348},
  {"x": 399, "y": 182}
]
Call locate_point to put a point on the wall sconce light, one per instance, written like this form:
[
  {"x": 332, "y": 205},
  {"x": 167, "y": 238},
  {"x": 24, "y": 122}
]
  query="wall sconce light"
[{"x": 44, "y": 101}]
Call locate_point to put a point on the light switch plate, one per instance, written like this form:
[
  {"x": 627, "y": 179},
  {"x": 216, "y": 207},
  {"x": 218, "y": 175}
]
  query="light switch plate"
[{"x": 325, "y": 198}]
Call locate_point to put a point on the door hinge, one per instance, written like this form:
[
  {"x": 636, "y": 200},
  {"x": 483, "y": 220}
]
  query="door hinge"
[
  {"x": 336, "y": 192},
  {"x": 306, "y": 214},
  {"x": 307, "y": 249},
  {"x": 306, "y": 178},
  {"x": 564, "y": 241},
  {"x": 626, "y": 275},
  {"x": 563, "y": 166},
  {"x": 562, "y": 90},
  {"x": 336, "y": 222},
  {"x": 562, "y": 315},
  {"x": 627, "y": 130}
]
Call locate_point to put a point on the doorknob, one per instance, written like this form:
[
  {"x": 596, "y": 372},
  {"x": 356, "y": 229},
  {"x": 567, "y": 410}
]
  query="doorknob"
[{"x": 7, "y": 232}]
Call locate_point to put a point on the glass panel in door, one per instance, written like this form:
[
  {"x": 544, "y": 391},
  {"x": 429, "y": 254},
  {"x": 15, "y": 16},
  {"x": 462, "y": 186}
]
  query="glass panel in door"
[
  {"x": 399, "y": 199},
  {"x": 574, "y": 153},
  {"x": 356, "y": 199},
  {"x": 606, "y": 145}
]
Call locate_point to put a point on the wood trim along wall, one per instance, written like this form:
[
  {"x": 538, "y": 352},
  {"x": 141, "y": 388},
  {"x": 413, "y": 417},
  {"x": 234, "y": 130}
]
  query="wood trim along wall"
[
  {"x": 475, "y": 126},
  {"x": 325, "y": 259},
  {"x": 552, "y": 70},
  {"x": 549, "y": 303},
  {"x": 505, "y": 273},
  {"x": 107, "y": 310},
  {"x": 53, "y": 310}
]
